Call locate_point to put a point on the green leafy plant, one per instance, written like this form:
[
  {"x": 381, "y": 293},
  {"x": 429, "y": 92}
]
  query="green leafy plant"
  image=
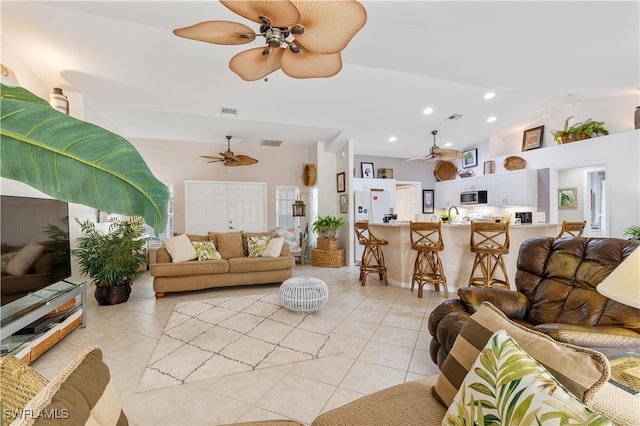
[
  {"x": 578, "y": 131},
  {"x": 633, "y": 232},
  {"x": 75, "y": 161},
  {"x": 327, "y": 227},
  {"x": 444, "y": 217},
  {"x": 59, "y": 244},
  {"x": 112, "y": 258}
]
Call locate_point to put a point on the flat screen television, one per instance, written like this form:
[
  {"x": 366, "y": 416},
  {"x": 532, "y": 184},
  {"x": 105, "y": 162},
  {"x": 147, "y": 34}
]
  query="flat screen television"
[{"x": 34, "y": 240}]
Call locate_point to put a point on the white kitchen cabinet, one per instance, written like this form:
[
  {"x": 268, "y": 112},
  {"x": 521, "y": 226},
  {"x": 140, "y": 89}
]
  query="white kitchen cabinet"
[
  {"x": 519, "y": 187},
  {"x": 473, "y": 184},
  {"x": 447, "y": 194}
]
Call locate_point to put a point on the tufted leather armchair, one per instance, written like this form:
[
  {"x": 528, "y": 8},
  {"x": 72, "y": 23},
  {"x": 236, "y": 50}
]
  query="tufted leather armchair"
[{"x": 556, "y": 294}]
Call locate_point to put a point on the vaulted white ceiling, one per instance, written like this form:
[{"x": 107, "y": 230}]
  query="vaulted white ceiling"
[{"x": 536, "y": 57}]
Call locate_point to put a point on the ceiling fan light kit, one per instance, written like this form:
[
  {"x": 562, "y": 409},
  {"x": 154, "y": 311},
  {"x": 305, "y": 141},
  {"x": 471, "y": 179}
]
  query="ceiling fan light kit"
[
  {"x": 322, "y": 29},
  {"x": 439, "y": 154}
]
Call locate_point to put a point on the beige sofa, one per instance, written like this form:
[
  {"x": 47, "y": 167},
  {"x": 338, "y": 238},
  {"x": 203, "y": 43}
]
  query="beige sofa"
[{"x": 234, "y": 268}]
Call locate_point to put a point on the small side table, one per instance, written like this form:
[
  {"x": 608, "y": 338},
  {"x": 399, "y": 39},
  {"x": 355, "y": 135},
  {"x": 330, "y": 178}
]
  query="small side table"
[
  {"x": 304, "y": 294},
  {"x": 625, "y": 369}
]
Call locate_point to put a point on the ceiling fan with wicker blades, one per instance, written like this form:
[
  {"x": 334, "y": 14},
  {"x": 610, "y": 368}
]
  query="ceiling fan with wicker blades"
[
  {"x": 302, "y": 37},
  {"x": 228, "y": 158},
  {"x": 436, "y": 153}
]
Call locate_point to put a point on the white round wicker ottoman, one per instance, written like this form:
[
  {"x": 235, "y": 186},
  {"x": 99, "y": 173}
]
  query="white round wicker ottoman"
[{"x": 304, "y": 294}]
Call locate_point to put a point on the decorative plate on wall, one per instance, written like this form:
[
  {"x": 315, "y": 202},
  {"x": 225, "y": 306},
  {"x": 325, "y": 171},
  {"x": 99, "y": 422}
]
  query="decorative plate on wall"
[
  {"x": 309, "y": 175},
  {"x": 445, "y": 170}
]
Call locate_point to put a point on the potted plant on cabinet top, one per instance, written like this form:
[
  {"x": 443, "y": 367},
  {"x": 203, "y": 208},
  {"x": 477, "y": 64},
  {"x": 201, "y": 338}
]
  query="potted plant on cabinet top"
[
  {"x": 327, "y": 228},
  {"x": 579, "y": 131},
  {"x": 112, "y": 259}
]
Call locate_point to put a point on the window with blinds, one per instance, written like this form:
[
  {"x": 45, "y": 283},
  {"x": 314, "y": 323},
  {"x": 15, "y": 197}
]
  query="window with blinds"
[{"x": 285, "y": 197}]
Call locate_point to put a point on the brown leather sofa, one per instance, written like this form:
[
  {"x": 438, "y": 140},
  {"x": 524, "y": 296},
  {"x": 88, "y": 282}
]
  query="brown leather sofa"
[{"x": 556, "y": 294}]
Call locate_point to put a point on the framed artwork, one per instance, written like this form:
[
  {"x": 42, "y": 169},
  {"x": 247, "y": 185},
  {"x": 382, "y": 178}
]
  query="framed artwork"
[
  {"x": 385, "y": 173},
  {"x": 489, "y": 167},
  {"x": 470, "y": 158},
  {"x": 532, "y": 138},
  {"x": 367, "y": 170},
  {"x": 344, "y": 203},
  {"x": 427, "y": 201},
  {"x": 568, "y": 198},
  {"x": 340, "y": 182}
]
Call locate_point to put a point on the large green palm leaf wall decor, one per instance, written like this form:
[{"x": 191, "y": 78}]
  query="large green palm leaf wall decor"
[{"x": 75, "y": 161}]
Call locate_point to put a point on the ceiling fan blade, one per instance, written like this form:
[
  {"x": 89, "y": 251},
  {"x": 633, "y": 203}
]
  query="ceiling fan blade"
[
  {"x": 307, "y": 64},
  {"x": 245, "y": 160},
  {"x": 279, "y": 13},
  {"x": 431, "y": 158},
  {"x": 217, "y": 32},
  {"x": 252, "y": 65},
  {"x": 230, "y": 156},
  {"x": 448, "y": 154},
  {"x": 422, "y": 157},
  {"x": 329, "y": 25}
]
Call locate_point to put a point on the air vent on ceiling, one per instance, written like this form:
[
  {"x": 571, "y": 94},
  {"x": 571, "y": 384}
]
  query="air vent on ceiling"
[
  {"x": 271, "y": 142},
  {"x": 453, "y": 117},
  {"x": 228, "y": 112}
]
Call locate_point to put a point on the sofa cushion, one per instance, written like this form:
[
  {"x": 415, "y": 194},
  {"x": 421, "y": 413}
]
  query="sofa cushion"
[
  {"x": 19, "y": 383},
  {"x": 257, "y": 245},
  {"x": 24, "y": 260},
  {"x": 81, "y": 394},
  {"x": 229, "y": 244},
  {"x": 507, "y": 386},
  {"x": 556, "y": 356},
  {"x": 4, "y": 260},
  {"x": 259, "y": 264},
  {"x": 274, "y": 247},
  {"x": 180, "y": 248},
  {"x": 206, "y": 250},
  {"x": 189, "y": 268}
]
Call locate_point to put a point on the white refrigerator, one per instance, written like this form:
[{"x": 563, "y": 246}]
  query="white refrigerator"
[{"x": 370, "y": 206}]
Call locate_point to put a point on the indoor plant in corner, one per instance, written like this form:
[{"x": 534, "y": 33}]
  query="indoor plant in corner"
[
  {"x": 327, "y": 228},
  {"x": 112, "y": 259}
]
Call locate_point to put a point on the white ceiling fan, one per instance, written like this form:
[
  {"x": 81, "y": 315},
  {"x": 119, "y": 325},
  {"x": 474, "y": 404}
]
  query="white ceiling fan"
[{"x": 436, "y": 153}]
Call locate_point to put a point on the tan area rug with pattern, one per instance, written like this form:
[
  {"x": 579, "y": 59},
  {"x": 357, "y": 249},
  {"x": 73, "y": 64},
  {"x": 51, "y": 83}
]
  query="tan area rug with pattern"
[{"x": 217, "y": 337}]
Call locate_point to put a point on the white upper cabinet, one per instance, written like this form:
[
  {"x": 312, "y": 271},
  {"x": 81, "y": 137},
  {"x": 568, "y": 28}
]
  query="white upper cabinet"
[
  {"x": 447, "y": 194},
  {"x": 519, "y": 187},
  {"x": 474, "y": 184}
]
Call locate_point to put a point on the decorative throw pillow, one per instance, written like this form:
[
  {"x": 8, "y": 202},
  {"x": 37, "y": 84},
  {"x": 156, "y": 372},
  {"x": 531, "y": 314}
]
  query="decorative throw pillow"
[
  {"x": 274, "y": 247},
  {"x": 557, "y": 357},
  {"x": 206, "y": 250},
  {"x": 256, "y": 245},
  {"x": 180, "y": 248},
  {"x": 25, "y": 258},
  {"x": 507, "y": 386},
  {"x": 19, "y": 383},
  {"x": 4, "y": 260},
  {"x": 81, "y": 394}
]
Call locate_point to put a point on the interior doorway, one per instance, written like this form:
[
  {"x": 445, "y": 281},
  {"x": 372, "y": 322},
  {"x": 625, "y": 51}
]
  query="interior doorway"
[
  {"x": 408, "y": 200},
  {"x": 595, "y": 201}
]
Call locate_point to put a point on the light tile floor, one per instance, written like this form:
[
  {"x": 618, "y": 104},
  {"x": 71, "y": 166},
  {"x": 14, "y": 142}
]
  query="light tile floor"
[{"x": 382, "y": 331}]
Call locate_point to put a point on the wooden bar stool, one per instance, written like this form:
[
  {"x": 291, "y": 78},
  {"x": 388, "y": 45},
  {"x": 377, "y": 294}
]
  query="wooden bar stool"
[
  {"x": 571, "y": 229},
  {"x": 372, "y": 256},
  {"x": 489, "y": 241},
  {"x": 426, "y": 239}
]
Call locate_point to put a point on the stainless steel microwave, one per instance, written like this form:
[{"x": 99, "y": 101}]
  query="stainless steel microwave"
[{"x": 473, "y": 197}]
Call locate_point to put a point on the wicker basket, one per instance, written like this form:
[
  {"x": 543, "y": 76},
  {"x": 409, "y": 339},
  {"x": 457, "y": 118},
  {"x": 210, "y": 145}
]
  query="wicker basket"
[
  {"x": 44, "y": 345},
  {"x": 445, "y": 170},
  {"x": 514, "y": 163},
  {"x": 328, "y": 244},
  {"x": 328, "y": 258}
]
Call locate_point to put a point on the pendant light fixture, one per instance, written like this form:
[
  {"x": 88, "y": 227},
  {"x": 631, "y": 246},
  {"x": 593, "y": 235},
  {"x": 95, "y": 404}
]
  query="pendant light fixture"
[{"x": 299, "y": 209}]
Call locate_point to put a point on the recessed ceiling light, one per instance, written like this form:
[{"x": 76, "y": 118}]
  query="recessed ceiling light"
[
  {"x": 491, "y": 119},
  {"x": 448, "y": 144},
  {"x": 393, "y": 139},
  {"x": 489, "y": 95},
  {"x": 427, "y": 111}
]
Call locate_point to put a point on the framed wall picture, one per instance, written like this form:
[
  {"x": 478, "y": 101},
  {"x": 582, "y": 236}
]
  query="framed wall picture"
[
  {"x": 367, "y": 170},
  {"x": 489, "y": 167},
  {"x": 385, "y": 173},
  {"x": 340, "y": 182},
  {"x": 427, "y": 201},
  {"x": 567, "y": 198},
  {"x": 532, "y": 138},
  {"x": 470, "y": 158},
  {"x": 344, "y": 203}
]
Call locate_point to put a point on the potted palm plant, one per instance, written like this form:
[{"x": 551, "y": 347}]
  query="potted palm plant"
[
  {"x": 327, "y": 228},
  {"x": 112, "y": 259}
]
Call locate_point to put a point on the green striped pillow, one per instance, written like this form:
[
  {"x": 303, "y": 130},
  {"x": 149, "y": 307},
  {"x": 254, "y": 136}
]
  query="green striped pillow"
[
  {"x": 81, "y": 394},
  {"x": 557, "y": 357}
]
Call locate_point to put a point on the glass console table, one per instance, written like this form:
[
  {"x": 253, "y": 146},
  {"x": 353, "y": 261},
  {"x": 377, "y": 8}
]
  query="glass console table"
[{"x": 34, "y": 317}]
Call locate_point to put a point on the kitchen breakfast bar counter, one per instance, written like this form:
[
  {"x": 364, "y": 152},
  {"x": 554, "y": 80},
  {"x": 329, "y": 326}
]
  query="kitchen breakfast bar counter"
[{"x": 457, "y": 258}]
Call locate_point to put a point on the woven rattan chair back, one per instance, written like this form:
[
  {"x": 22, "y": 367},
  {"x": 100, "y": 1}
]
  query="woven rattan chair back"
[
  {"x": 571, "y": 229},
  {"x": 426, "y": 239},
  {"x": 426, "y": 235},
  {"x": 489, "y": 241},
  {"x": 372, "y": 257}
]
